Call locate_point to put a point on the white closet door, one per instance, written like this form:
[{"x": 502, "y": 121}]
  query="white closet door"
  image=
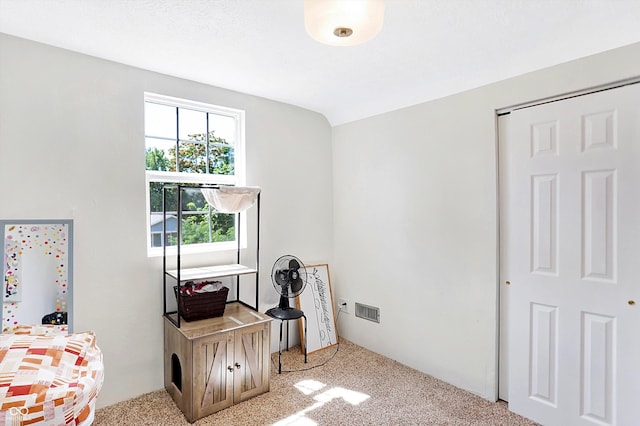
[{"x": 570, "y": 248}]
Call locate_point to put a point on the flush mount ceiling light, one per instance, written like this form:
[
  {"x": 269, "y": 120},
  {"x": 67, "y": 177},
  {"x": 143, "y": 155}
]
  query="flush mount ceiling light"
[{"x": 343, "y": 22}]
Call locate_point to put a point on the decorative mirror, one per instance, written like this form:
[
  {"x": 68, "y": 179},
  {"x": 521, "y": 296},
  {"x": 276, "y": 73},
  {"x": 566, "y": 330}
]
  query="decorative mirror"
[{"x": 37, "y": 271}]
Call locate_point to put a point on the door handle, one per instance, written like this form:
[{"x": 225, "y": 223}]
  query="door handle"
[{"x": 237, "y": 366}]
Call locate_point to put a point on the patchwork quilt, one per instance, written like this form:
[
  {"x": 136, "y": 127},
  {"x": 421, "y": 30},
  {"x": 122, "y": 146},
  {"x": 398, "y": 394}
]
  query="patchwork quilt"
[{"x": 49, "y": 379}]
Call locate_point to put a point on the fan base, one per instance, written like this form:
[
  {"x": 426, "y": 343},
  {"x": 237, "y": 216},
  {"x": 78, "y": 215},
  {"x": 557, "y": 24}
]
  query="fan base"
[{"x": 284, "y": 313}]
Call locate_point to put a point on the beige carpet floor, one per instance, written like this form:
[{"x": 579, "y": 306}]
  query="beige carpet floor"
[{"x": 354, "y": 387}]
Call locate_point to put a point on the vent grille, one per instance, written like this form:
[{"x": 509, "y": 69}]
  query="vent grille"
[{"x": 367, "y": 312}]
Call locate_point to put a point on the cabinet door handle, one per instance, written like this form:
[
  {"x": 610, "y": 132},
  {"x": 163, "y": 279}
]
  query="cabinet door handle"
[
  {"x": 230, "y": 368},
  {"x": 237, "y": 366}
]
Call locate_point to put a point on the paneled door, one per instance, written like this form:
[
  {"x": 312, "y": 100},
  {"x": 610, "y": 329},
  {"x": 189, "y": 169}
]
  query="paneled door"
[
  {"x": 570, "y": 259},
  {"x": 213, "y": 378},
  {"x": 253, "y": 359}
]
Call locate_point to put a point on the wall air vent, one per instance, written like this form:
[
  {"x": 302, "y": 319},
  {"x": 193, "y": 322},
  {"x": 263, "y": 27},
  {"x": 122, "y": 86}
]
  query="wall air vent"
[{"x": 367, "y": 312}]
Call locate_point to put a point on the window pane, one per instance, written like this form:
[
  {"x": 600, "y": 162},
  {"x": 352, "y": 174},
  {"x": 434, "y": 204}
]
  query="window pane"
[
  {"x": 161, "y": 155},
  {"x": 224, "y": 127},
  {"x": 223, "y": 227},
  {"x": 157, "y": 215},
  {"x": 195, "y": 228},
  {"x": 221, "y": 159},
  {"x": 192, "y": 157},
  {"x": 172, "y": 238},
  {"x": 159, "y": 120},
  {"x": 155, "y": 198},
  {"x": 192, "y": 124},
  {"x": 193, "y": 200}
]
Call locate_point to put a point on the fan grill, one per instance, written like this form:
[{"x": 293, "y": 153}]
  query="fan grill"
[{"x": 289, "y": 278}]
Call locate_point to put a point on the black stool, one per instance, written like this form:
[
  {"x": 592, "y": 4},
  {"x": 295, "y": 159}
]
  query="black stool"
[{"x": 288, "y": 314}]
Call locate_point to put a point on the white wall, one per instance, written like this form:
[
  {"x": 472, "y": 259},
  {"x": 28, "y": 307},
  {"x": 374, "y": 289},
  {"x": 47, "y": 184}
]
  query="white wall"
[
  {"x": 415, "y": 221},
  {"x": 72, "y": 146}
]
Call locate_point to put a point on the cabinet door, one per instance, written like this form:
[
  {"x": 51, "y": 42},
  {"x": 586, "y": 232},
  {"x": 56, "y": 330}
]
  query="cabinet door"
[
  {"x": 213, "y": 373},
  {"x": 252, "y": 361}
]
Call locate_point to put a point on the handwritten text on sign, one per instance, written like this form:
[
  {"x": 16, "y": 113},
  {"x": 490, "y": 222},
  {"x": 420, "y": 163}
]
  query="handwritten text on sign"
[{"x": 317, "y": 304}]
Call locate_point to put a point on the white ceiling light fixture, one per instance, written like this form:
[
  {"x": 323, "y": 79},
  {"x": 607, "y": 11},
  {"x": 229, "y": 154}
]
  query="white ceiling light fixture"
[{"x": 343, "y": 22}]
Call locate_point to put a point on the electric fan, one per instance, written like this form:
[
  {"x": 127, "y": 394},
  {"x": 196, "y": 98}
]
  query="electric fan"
[{"x": 289, "y": 279}]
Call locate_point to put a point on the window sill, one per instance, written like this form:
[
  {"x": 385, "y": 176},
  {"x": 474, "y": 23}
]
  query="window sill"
[{"x": 195, "y": 249}]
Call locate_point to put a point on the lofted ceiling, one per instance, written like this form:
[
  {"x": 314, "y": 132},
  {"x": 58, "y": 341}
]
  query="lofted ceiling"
[{"x": 427, "y": 48}]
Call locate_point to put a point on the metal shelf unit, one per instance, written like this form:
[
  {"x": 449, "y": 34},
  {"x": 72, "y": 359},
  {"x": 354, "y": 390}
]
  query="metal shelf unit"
[{"x": 181, "y": 275}]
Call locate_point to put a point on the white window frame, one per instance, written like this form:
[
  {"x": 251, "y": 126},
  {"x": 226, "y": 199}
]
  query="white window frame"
[{"x": 238, "y": 179}]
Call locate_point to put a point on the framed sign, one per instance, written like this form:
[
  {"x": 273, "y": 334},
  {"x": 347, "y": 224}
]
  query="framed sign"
[{"x": 316, "y": 301}]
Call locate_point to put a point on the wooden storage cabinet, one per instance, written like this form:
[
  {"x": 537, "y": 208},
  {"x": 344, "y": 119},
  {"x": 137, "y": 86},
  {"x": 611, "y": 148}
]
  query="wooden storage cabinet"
[{"x": 214, "y": 363}]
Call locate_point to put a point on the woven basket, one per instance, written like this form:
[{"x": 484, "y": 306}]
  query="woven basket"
[{"x": 200, "y": 306}]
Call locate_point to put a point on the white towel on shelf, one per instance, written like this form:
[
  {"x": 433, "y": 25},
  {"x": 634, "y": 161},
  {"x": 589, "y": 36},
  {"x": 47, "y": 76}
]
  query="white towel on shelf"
[{"x": 231, "y": 199}]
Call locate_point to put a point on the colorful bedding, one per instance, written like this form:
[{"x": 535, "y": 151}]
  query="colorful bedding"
[{"x": 49, "y": 379}]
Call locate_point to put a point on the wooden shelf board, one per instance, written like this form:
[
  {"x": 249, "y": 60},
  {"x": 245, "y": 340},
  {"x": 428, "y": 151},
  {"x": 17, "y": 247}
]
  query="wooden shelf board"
[
  {"x": 235, "y": 316},
  {"x": 218, "y": 271}
]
